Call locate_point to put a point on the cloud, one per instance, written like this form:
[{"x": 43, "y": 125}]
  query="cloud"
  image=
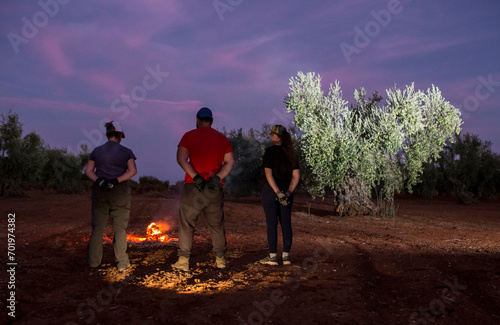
[
  {"x": 55, "y": 56},
  {"x": 404, "y": 46},
  {"x": 51, "y": 105},
  {"x": 106, "y": 82},
  {"x": 166, "y": 117}
]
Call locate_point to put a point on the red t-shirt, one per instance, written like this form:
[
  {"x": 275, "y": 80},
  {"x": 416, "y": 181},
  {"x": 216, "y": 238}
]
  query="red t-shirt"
[{"x": 207, "y": 148}]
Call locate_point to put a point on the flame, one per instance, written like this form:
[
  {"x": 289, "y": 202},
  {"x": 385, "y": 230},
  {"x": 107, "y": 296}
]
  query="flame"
[{"x": 153, "y": 233}]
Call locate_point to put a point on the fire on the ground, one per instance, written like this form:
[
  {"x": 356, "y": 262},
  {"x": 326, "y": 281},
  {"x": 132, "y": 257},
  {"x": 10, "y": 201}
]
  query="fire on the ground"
[{"x": 153, "y": 233}]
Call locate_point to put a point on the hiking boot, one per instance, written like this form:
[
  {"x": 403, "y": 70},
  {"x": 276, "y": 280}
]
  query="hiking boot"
[
  {"x": 286, "y": 260},
  {"x": 124, "y": 268},
  {"x": 182, "y": 264},
  {"x": 220, "y": 262},
  {"x": 269, "y": 261}
]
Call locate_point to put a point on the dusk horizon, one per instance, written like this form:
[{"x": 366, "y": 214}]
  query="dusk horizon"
[{"x": 69, "y": 67}]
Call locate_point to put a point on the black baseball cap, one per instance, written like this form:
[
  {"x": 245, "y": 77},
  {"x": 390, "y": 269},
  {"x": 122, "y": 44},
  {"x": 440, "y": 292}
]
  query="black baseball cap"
[{"x": 278, "y": 129}]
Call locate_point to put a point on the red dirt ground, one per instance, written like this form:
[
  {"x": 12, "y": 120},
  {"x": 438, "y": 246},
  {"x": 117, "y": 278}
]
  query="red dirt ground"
[{"x": 436, "y": 262}]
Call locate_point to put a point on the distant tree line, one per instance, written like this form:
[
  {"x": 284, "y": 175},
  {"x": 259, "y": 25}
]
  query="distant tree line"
[
  {"x": 27, "y": 163},
  {"x": 247, "y": 176},
  {"x": 149, "y": 184},
  {"x": 466, "y": 167}
]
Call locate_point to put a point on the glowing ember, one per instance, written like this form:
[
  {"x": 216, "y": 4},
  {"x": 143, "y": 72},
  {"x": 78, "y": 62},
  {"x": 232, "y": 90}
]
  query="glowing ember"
[{"x": 153, "y": 233}]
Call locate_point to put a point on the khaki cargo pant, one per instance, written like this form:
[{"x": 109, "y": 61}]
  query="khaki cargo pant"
[
  {"x": 210, "y": 203},
  {"x": 114, "y": 203}
]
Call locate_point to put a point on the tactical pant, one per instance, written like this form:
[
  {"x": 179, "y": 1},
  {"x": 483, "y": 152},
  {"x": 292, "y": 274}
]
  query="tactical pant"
[
  {"x": 210, "y": 202},
  {"x": 114, "y": 203}
]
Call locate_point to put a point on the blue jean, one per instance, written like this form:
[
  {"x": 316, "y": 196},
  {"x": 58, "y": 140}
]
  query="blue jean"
[{"x": 275, "y": 212}]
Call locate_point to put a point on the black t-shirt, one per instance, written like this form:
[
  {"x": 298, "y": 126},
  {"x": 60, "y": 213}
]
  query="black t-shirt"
[{"x": 276, "y": 159}]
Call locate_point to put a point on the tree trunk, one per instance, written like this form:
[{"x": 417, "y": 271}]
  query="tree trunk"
[
  {"x": 463, "y": 196},
  {"x": 352, "y": 199}
]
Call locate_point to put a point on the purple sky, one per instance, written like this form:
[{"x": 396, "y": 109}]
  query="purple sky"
[{"x": 67, "y": 66}]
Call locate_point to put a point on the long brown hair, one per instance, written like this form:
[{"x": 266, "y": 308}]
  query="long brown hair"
[{"x": 287, "y": 146}]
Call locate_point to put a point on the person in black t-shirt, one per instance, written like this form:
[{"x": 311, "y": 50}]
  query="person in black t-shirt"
[
  {"x": 282, "y": 173},
  {"x": 110, "y": 167}
]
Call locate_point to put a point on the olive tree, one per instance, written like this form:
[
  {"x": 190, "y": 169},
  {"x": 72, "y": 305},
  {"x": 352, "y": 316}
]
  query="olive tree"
[{"x": 352, "y": 149}]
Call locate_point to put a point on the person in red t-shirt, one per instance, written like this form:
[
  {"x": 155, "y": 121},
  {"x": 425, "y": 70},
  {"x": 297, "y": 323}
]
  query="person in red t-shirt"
[{"x": 207, "y": 158}]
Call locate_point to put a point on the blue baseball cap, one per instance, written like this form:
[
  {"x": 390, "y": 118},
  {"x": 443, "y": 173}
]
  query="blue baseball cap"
[{"x": 204, "y": 112}]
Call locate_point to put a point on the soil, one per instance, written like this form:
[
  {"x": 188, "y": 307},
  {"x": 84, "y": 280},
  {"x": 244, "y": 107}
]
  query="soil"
[{"x": 435, "y": 262}]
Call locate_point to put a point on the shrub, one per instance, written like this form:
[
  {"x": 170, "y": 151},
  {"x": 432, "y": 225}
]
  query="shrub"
[{"x": 151, "y": 183}]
